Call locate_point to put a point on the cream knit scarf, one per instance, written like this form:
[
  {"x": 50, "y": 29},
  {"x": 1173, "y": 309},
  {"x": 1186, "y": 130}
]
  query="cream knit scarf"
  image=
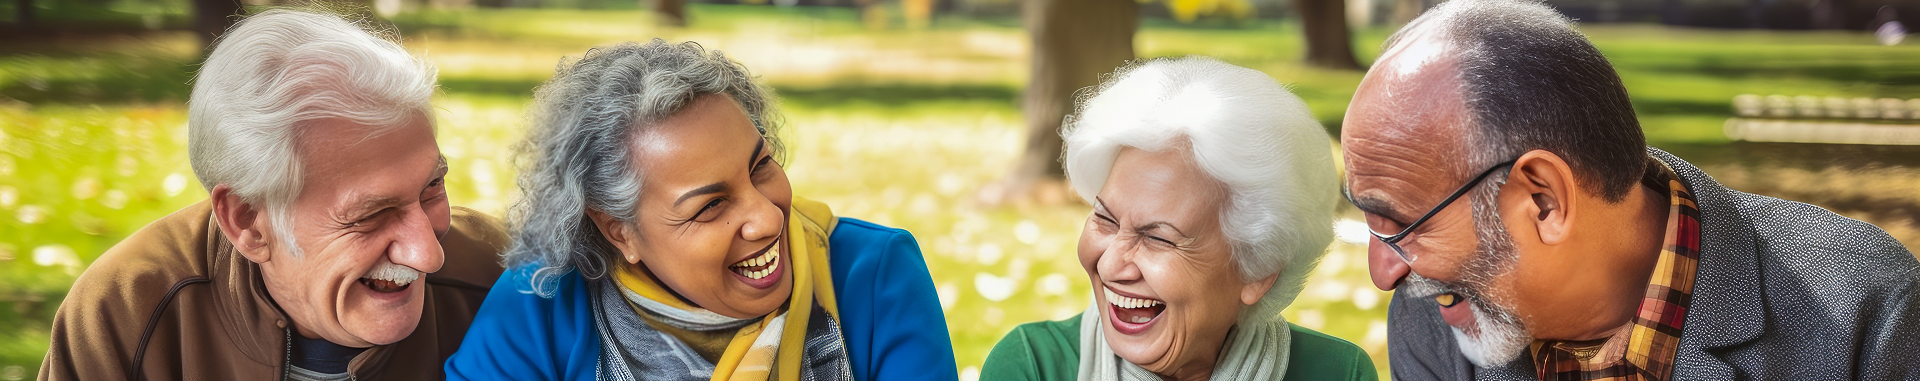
[{"x": 1254, "y": 352}]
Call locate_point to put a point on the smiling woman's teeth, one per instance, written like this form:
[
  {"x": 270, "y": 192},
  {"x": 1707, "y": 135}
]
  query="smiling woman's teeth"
[
  {"x": 759, "y": 266},
  {"x": 1126, "y": 302}
]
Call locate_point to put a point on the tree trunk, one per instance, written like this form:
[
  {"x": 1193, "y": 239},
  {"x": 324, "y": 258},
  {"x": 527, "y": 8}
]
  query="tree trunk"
[
  {"x": 212, "y": 17},
  {"x": 1074, "y": 42},
  {"x": 23, "y": 13},
  {"x": 1673, "y": 12},
  {"x": 1329, "y": 42},
  {"x": 671, "y": 12}
]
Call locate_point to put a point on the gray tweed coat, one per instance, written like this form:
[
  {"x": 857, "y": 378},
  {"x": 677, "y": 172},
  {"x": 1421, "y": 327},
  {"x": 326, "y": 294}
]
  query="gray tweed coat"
[{"x": 1785, "y": 291}]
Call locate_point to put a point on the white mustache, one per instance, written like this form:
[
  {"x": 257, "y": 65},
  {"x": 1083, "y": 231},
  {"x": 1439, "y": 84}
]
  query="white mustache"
[
  {"x": 1422, "y": 287},
  {"x": 398, "y": 274}
]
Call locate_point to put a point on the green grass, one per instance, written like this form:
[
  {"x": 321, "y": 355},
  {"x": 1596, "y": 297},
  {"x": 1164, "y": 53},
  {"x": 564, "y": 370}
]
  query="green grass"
[{"x": 895, "y": 126}]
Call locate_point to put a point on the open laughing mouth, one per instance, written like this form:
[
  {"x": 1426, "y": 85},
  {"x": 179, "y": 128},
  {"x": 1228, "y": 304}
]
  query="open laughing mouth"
[
  {"x": 390, "y": 278},
  {"x": 759, "y": 271},
  {"x": 1133, "y": 315},
  {"x": 1458, "y": 313}
]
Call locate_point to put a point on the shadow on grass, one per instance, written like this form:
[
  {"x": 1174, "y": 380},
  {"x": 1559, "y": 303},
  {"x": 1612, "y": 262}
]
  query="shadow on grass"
[
  {"x": 126, "y": 80},
  {"x": 1890, "y": 77},
  {"x": 1798, "y": 155},
  {"x": 896, "y": 95},
  {"x": 883, "y": 95},
  {"x": 1644, "y": 106},
  {"x": 135, "y": 79},
  {"x": 489, "y": 86}
]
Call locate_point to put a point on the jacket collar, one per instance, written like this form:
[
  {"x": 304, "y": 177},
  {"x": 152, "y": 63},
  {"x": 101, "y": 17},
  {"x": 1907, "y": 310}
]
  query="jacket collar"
[
  {"x": 1728, "y": 299},
  {"x": 248, "y": 316}
]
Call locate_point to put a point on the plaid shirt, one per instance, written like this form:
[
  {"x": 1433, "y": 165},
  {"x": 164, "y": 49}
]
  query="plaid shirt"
[{"x": 1647, "y": 351}]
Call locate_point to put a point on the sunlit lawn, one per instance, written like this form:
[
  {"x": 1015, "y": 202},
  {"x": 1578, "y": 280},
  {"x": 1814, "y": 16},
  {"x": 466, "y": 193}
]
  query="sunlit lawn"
[{"x": 897, "y": 126}]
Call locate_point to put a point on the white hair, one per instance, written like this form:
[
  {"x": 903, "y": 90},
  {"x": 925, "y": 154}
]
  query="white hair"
[
  {"x": 271, "y": 76},
  {"x": 1244, "y": 130}
]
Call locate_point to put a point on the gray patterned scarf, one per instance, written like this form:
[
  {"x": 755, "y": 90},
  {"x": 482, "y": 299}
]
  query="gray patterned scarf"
[{"x": 631, "y": 350}]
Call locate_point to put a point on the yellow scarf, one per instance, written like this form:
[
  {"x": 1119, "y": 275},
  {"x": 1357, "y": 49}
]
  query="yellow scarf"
[{"x": 748, "y": 355}]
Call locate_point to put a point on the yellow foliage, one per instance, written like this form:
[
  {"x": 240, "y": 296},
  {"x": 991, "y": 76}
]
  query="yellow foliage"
[{"x": 1189, "y": 10}]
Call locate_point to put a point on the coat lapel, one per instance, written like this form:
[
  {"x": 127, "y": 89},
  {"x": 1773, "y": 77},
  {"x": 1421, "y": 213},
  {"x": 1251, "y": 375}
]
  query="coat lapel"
[{"x": 1728, "y": 308}]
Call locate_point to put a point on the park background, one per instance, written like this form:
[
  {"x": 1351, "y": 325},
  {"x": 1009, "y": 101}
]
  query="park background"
[{"x": 917, "y": 113}]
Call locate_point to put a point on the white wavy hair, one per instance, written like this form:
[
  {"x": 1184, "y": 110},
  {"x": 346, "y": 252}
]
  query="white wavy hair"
[
  {"x": 1246, "y": 131},
  {"x": 272, "y": 75}
]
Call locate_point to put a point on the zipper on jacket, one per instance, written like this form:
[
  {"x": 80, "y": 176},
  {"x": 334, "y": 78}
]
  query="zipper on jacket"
[
  {"x": 286, "y": 360},
  {"x": 286, "y": 363}
]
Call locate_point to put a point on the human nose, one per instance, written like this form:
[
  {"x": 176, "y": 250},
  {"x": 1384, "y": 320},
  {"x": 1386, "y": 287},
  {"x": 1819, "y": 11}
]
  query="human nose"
[
  {"x": 1385, "y": 266},
  {"x": 416, "y": 244},
  {"x": 764, "y": 220},
  {"x": 1117, "y": 264}
]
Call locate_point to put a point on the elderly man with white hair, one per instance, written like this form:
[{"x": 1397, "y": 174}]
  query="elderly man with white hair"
[
  {"x": 1212, "y": 192},
  {"x": 328, "y": 249}
]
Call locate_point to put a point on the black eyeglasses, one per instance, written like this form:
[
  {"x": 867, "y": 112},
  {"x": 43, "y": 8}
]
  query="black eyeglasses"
[{"x": 1393, "y": 241}]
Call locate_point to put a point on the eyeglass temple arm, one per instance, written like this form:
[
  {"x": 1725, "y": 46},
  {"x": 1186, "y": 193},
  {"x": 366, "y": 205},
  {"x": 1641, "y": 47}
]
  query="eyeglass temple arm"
[{"x": 1436, "y": 209}]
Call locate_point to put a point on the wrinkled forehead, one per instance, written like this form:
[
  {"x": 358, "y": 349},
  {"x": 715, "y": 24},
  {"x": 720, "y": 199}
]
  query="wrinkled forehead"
[
  {"x": 1164, "y": 185},
  {"x": 1409, "y": 119},
  {"x": 1413, "y": 87},
  {"x": 344, "y": 163}
]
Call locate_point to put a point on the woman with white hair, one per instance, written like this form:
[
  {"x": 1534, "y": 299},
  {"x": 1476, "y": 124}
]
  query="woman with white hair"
[
  {"x": 1212, "y": 192},
  {"x": 658, "y": 239}
]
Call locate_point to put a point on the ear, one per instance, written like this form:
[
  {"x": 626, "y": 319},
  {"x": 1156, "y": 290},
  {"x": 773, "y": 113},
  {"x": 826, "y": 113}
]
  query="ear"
[
  {"x": 1550, "y": 188},
  {"x": 240, "y": 222},
  {"x": 616, "y": 232},
  {"x": 1253, "y": 291}
]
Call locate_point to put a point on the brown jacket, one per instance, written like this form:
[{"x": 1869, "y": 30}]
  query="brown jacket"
[{"x": 177, "y": 290}]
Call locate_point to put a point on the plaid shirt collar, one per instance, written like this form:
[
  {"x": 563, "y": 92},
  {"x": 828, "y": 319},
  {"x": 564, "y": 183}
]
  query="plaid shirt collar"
[{"x": 1647, "y": 350}]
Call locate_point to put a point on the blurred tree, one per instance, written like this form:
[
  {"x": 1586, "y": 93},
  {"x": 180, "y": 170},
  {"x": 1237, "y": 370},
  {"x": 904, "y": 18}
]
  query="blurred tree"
[
  {"x": 23, "y": 13},
  {"x": 873, "y": 14},
  {"x": 1190, "y": 10},
  {"x": 1405, "y": 10},
  {"x": 212, "y": 17},
  {"x": 918, "y": 13},
  {"x": 670, "y": 12},
  {"x": 1832, "y": 14},
  {"x": 1074, "y": 42},
  {"x": 1329, "y": 41}
]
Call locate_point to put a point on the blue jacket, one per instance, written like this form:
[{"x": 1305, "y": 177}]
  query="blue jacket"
[{"x": 888, "y": 309}]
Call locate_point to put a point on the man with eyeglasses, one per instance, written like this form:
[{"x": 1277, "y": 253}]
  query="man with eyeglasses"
[{"x": 1529, "y": 233}]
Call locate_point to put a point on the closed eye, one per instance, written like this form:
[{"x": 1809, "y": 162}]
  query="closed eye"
[
  {"x": 364, "y": 221},
  {"x": 1162, "y": 240},
  {"x": 704, "y": 208},
  {"x": 760, "y": 167}
]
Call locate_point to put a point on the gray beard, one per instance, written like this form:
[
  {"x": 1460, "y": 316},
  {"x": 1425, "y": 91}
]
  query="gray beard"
[{"x": 1498, "y": 336}]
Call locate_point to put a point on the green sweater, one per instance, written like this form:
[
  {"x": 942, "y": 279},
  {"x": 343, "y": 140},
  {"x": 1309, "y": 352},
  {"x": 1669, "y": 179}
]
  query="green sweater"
[{"x": 1050, "y": 350}]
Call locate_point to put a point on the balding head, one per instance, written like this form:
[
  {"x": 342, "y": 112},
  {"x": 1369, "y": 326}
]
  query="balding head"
[
  {"x": 1488, "y": 80},
  {"x": 1508, "y": 89}
]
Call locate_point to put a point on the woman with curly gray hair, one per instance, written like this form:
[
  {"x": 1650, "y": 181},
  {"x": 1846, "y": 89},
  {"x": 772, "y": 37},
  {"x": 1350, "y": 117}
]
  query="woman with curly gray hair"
[{"x": 658, "y": 239}]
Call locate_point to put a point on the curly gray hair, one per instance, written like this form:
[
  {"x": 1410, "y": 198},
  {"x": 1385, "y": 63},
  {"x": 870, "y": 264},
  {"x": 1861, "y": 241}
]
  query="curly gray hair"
[{"x": 577, "y": 156}]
